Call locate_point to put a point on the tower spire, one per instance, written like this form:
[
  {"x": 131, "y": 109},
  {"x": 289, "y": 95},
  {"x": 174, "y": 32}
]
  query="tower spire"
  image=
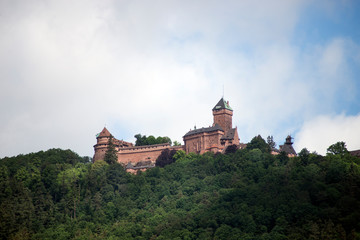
[{"x": 223, "y": 93}]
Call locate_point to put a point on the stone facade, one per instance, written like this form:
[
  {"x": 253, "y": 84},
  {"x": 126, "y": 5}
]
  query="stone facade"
[
  {"x": 148, "y": 153},
  {"x": 204, "y": 140},
  {"x": 132, "y": 157},
  {"x": 102, "y": 144},
  {"x": 223, "y": 118},
  {"x": 214, "y": 139}
]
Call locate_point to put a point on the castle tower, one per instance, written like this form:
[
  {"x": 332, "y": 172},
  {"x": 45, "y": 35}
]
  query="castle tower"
[
  {"x": 222, "y": 113},
  {"x": 288, "y": 140},
  {"x": 287, "y": 147},
  {"x": 101, "y": 146}
]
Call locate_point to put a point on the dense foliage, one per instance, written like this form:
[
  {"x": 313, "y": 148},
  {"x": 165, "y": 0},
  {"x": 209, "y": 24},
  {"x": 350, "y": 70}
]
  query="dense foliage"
[
  {"x": 111, "y": 153},
  {"x": 142, "y": 140},
  {"x": 248, "y": 194}
]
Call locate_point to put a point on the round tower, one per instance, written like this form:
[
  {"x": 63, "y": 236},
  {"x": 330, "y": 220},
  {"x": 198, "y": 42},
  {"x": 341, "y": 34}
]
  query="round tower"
[{"x": 100, "y": 147}]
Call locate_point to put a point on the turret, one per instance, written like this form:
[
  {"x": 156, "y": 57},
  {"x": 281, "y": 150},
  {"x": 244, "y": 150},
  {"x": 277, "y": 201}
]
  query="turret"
[
  {"x": 288, "y": 140},
  {"x": 287, "y": 147},
  {"x": 101, "y": 146}
]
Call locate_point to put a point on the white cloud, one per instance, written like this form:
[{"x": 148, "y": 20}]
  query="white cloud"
[
  {"x": 156, "y": 68},
  {"x": 319, "y": 133}
]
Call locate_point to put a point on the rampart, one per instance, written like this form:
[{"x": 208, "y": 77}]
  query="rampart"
[
  {"x": 215, "y": 139},
  {"x": 143, "y": 153}
]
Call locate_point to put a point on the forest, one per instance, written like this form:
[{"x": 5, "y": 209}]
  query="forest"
[{"x": 242, "y": 194}]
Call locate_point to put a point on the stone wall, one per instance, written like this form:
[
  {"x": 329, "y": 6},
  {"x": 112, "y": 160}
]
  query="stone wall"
[
  {"x": 223, "y": 117},
  {"x": 100, "y": 150},
  {"x": 133, "y": 154},
  {"x": 100, "y": 147},
  {"x": 141, "y": 153},
  {"x": 203, "y": 142}
]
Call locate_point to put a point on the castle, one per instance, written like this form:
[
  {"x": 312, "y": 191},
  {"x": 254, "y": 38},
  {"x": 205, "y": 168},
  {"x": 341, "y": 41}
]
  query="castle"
[
  {"x": 215, "y": 139},
  {"x": 211, "y": 139}
]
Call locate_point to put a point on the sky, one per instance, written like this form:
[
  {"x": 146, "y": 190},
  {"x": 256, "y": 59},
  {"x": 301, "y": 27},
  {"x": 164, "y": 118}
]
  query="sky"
[{"x": 69, "y": 68}]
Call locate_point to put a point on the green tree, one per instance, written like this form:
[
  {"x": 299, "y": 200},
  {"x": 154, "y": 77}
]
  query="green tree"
[
  {"x": 231, "y": 149},
  {"x": 304, "y": 155},
  {"x": 338, "y": 148},
  {"x": 5, "y": 189},
  {"x": 270, "y": 142},
  {"x": 166, "y": 157},
  {"x": 258, "y": 142},
  {"x": 140, "y": 140},
  {"x": 111, "y": 153},
  {"x": 246, "y": 195},
  {"x": 179, "y": 154},
  {"x": 166, "y": 140},
  {"x": 151, "y": 140},
  {"x": 143, "y": 140}
]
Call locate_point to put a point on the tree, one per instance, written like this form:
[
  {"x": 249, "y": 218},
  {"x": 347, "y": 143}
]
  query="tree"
[
  {"x": 179, "y": 154},
  {"x": 231, "y": 149},
  {"x": 258, "y": 142},
  {"x": 166, "y": 140},
  {"x": 166, "y": 157},
  {"x": 140, "y": 140},
  {"x": 270, "y": 142},
  {"x": 338, "y": 148},
  {"x": 110, "y": 155},
  {"x": 176, "y": 143},
  {"x": 304, "y": 155},
  {"x": 150, "y": 140}
]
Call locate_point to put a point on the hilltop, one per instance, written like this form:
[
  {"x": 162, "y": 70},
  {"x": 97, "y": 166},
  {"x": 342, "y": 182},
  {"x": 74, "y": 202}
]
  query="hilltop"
[{"x": 246, "y": 194}]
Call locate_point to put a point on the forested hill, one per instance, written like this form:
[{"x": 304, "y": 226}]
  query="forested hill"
[{"x": 248, "y": 194}]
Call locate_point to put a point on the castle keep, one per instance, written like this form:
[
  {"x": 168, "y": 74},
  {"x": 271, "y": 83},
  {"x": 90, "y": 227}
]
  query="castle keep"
[
  {"x": 215, "y": 138},
  {"x": 210, "y": 139}
]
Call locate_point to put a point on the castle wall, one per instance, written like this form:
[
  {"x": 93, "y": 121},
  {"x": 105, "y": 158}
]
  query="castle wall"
[
  {"x": 223, "y": 117},
  {"x": 195, "y": 141},
  {"x": 143, "y": 153},
  {"x": 100, "y": 151},
  {"x": 101, "y": 146},
  {"x": 203, "y": 142},
  {"x": 236, "y": 139}
]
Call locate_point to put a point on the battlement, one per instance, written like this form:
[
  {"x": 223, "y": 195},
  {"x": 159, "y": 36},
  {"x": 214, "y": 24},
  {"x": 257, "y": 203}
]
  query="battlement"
[
  {"x": 144, "y": 148},
  {"x": 127, "y": 153},
  {"x": 215, "y": 139},
  {"x": 144, "y": 153}
]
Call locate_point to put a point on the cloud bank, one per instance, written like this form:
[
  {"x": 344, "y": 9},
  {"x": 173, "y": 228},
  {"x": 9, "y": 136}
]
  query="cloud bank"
[
  {"x": 67, "y": 69},
  {"x": 323, "y": 131}
]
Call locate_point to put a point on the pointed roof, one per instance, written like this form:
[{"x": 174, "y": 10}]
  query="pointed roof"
[
  {"x": 287, "y": 147},
  {"x": 104, "y": 133},
  {"x": 288, "y": 140},
  {"x": 229, "y": 135},
  {"x": 222, "y": 104}
]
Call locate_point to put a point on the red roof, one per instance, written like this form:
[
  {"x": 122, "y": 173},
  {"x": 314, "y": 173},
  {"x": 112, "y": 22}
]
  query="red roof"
[{"x": 104, "y": 133}]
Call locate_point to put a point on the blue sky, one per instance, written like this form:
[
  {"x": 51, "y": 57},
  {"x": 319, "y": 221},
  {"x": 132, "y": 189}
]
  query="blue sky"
[{"x": 67, "y": 69}]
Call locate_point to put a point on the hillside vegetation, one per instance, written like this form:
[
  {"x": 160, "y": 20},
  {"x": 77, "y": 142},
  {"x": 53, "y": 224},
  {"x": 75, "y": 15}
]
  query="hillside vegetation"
[{"x": 248, "y": 194}]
